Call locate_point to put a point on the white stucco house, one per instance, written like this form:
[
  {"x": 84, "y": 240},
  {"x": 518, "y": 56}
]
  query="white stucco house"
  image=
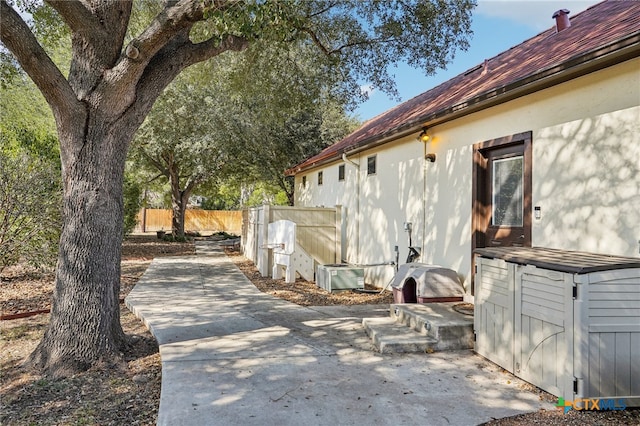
[{"x": 537, "y": 146}]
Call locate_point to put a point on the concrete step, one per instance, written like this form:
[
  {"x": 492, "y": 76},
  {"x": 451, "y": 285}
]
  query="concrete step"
[
  {"x": 421, "y": 327},
  {"x": 390, "y": 337}
]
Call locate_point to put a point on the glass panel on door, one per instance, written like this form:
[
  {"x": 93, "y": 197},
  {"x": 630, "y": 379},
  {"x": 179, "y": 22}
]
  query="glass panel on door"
[{"x": 508, "y": 196}]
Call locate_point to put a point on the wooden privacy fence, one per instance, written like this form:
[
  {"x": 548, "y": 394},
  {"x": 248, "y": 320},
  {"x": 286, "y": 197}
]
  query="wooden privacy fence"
[
  {"x": 318, "y": 233},
  {"x": 149, "y": 220}
]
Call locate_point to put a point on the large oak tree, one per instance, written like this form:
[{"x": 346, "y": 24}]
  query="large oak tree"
[{"x": 113, "y": 81}]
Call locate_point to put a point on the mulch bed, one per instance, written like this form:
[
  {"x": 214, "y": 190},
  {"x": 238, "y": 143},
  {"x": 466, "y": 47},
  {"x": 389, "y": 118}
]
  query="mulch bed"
[{"x": 303, "y": 292}]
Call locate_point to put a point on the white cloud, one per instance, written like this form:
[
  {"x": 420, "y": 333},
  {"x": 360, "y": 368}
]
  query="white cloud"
[
  {"x": 367, "y": 89},
  {"x": 533, "y": 13}
]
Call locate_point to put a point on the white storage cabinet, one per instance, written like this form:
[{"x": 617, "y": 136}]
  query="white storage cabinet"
[{"x": 567, "y": 322}]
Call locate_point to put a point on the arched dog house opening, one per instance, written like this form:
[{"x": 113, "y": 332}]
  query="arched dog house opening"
[{"x": 409, "y": 294}]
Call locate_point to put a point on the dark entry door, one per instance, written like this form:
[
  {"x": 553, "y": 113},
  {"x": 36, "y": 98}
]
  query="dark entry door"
[{"x": 502, "y": 192}]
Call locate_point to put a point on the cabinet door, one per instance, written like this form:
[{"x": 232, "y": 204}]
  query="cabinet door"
[
  {"x": 494, "y": 311},
  {"x": 544, "y": 328}
]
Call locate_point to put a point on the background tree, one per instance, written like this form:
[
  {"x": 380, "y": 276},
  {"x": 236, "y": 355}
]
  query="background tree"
[
  {"x": 181, "y": 139},
  {"x": 282, "y": 114},
  {"x": 287, "y": 143},
  {"x": 27, "y": 125},
  {"x": 235, "y": 193},
  {"x": 132, "y": 201},
  {"x": 115, "y": 78},
  {"x": 30, "y": 188},
  {"x": 290, "y": 110}
]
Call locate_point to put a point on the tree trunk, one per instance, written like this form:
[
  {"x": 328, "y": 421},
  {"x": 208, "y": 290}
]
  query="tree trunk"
[
  {"x": 109, "y": 90},
  {"x": 178, "y": 207},
  {"x": 245, "y": 193},
  {"x": 291, "y": 198},
  {"x": 288, "y": 185},
  {"x": 85, "y": 317},
  {"x": 179, "y": 200}
]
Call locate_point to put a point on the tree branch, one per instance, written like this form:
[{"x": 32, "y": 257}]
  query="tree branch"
[
  {"x": 18, "y": 38},
  {"x": 157, "y": 177},
  {"x": 157, "y": 164},
  {"x": 169, "y": 62},
  {"x": 172, "y": 21},
  {"x": 363, "y": 43},
  {"x": 324, "y": 10},
  {"x": 154, "y": 58},
  {"x": 199, "y": 52},
  {"x": 192, "y": 183},
  {"x": 316, "y": 40},
  {"x": 78, "y": 18}
]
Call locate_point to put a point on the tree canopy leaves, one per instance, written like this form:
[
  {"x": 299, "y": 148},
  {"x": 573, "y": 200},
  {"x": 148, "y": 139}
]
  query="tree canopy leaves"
[
  {"x": 119, "y": 66},
  {"x": 242, "y": 119}
]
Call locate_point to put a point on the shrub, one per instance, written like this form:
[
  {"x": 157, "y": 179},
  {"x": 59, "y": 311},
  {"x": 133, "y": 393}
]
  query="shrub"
[{"x": 30, "y": 210}]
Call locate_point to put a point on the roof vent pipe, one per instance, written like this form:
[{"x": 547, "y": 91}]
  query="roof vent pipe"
[{"x": 562, "y": 19}]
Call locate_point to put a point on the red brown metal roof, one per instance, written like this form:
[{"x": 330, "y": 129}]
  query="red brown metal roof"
[{"x": 599, "y": 31}]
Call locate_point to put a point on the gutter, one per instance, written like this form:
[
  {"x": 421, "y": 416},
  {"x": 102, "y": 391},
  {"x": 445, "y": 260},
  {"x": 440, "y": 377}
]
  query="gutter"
[{"x": 600, "y": 58}]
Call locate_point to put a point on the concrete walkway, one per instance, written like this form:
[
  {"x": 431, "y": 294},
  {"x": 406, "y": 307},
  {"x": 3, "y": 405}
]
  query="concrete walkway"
[{"x": 232, "y": 355}]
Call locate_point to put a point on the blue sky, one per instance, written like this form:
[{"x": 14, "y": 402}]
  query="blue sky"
[{"x": 497, "y": 26}]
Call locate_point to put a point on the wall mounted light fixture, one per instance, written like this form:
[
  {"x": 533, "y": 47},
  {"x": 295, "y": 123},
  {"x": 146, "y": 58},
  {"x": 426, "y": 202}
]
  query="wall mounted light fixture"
[{"x": 423, "y": 137}]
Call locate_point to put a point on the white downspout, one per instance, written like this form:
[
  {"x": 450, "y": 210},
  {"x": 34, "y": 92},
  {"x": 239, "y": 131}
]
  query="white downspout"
[
  {"x": 426, "y": 158},
  {"x": 357, "y": 216},
  {"x": 423, "y": 246}
]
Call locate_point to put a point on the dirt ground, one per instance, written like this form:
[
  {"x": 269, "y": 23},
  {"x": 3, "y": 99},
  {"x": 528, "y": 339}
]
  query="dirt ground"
[
  {"x": 130, "y": 395},
  {"x": 100, "y": 396}
]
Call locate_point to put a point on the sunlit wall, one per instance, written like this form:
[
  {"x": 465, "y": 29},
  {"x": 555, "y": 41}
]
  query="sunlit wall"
[{"x": 586, "y": 177}]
